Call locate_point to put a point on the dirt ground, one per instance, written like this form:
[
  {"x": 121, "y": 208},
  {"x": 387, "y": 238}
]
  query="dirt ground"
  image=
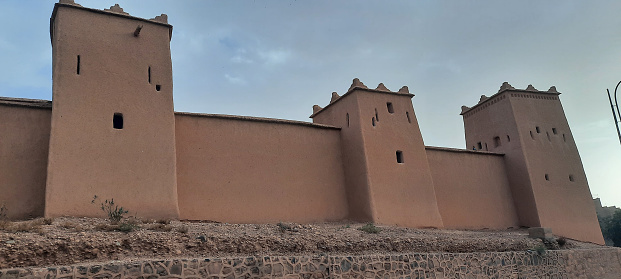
[{"x": 65, "y": 241}]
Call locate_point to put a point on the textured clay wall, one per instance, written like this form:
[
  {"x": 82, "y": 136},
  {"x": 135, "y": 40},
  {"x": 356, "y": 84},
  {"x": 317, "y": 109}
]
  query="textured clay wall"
[
  {"x": 237, "y": 170},
  {"x": 24, "y": 142},
  {"x": 472, "y": 189},
  {"x": 560, "y": 186},
  {"x": 595, "y": 263},
  {"x": 402, "y": 192},
  {"x": 118, "y": 74}
]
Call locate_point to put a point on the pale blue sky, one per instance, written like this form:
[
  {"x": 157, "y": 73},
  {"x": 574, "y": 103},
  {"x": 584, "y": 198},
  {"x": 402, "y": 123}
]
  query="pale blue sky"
[{"x": 279, "y": 58}]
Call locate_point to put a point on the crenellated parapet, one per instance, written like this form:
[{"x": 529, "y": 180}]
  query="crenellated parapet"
[
  {"x": 358, "y": 85},
  {"x": 530, "y": 92}
]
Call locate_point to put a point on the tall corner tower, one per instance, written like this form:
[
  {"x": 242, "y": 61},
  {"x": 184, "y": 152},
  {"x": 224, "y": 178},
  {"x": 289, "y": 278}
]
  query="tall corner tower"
[
  {"x": 112, "y": 127},
  {"x": 387, "y": 173},
  {"x": 548, "y": 183}
]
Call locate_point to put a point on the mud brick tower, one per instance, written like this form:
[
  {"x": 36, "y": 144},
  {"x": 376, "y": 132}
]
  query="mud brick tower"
[
  {"x": 113, "y": 126},
  {"x": 546, "y": 176}
]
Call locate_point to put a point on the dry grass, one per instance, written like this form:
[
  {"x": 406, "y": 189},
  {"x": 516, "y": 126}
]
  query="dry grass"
[
  {"x": 72, "y": 226},
  {"x": 159, "y": 227}
]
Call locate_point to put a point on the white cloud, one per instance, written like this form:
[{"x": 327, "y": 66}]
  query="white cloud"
[
  {"x": 234, "y": 80},
  {"x": 275, "y": 56}
]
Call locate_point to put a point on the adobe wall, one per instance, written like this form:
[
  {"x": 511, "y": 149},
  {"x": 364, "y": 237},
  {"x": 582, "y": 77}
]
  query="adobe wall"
[
  {"x": 254, "y": 170},
  {"x": 472, "y": 189},
  {"x": 24, "y": 141},
  {"x": 589, "y": 263}
]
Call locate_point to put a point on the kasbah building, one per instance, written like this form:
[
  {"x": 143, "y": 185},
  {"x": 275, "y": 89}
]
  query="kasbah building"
[{"x": 111, "y": 131}]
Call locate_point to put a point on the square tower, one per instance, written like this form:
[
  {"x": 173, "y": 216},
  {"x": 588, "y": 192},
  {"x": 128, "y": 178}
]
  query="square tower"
[
  {"x": 548, "y": 182},
  {"x": 388, "y": 180},
  {"x": 113, "y": 126}
]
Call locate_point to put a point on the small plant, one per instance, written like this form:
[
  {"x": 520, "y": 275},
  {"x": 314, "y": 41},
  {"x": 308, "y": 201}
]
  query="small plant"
[
  {"x": 4, "y": 219},
  {"x": 561, "y": 241},
  {"x": 283, "y": 227},
  {"x": 127, "y": 227},
  {"x": 370, "y": 228},
  {"x": 163, "y": 221},
  {"x": 183, "y": 229},
  {"x": 48, "y": 221},
  {"x": 159, "y": 227},
  {"x": 541, "y": 249},
  {"x": 115, "y": 213}
]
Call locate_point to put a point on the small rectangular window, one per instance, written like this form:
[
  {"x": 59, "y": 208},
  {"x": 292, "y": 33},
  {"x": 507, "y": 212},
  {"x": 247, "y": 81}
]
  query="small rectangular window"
[
  {"x": 496, "y": 141},
  {"x": 117, "y": 121},
  {"x": 78, "y": 66},
  {"x": 480, "y": 145},
  {"x": 390, "y": 108},
  {"x": 537, "y": 128},
  {"x": 554, "y": 131},
  {"x": 399, "y": 156},
  {"x": 158, "y": 87},
  {"x": 149, "y": 74}
]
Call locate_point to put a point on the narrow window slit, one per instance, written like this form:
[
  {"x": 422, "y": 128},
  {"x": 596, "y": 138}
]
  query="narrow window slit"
[
  {"x": 373, "y": 121},
  {"x": 149, "y": 74},
  {"x": 78, "y": 66},
  {"x": 554, "y": 131},
  {"x": 480, "y": 145},
  {"x": 547, "y": 177},
  {"x": 537, "y": 128},
  {"x": 508, "y": 138},
  {"x": 158, "y": 87},
  {"x": 117, "y": 121},
  {"x": 347, "y": 119},
  {"x": 376, "y": 117},
  {"x": 408, "y": 116},
  {"x": 571, "y": 178}
]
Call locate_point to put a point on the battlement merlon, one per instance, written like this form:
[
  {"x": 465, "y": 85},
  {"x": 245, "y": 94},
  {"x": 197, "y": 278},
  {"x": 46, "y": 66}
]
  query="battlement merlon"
[
  {"x": 358, "y": 85},
  {"x": 506, "y": 87},
  {"x": 115, "y": 10}
]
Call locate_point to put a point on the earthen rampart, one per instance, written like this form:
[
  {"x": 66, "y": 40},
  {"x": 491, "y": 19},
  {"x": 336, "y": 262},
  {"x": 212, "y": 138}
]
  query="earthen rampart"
[{"x": 245, "y": 169}]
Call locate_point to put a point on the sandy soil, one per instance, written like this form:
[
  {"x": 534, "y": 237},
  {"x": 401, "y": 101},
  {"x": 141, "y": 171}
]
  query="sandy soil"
[{"x": 64, "y": 241}]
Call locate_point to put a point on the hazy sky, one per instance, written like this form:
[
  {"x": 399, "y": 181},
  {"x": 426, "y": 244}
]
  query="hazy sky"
[{"x": 279, "y": 58}]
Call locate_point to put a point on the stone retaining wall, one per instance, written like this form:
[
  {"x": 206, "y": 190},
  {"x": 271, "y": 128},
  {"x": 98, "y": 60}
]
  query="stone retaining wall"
[{"x": 592, "y": 263}]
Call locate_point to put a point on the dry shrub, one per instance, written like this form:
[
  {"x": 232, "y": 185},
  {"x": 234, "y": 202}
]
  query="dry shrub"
[
  {"x": 159, "y": 227},
  {"x": 72, "y": 226},
  {"x": 25, "y": 226},
  {"x": 183, "y": 229}
]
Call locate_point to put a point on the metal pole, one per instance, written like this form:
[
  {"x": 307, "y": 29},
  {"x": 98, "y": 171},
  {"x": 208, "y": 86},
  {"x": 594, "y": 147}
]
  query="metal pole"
[{"x": 614, "y": 114}]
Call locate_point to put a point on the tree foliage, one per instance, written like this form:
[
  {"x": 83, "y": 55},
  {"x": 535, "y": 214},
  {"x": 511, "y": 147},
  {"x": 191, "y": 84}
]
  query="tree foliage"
[{"x": 611, "y": 228}]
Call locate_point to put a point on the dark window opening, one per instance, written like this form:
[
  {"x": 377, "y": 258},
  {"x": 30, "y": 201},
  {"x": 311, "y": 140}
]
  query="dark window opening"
[
  {"x": 117, "y": 121},
  {"x": 564, "y": 139},
  {"x": 486, "y": 146},
  {"x": 508, "y": 138},
  {"x": 376, "y": 117},
  {"x": 390, "y": 108},
  {"x": 158, "y": 87},
  {"x": 547, "y": 177},
  {"x": 548, "y": 135},
  {"x": 78, "y": 66},
  {"x": 496, "y": 141},
  {"x": 399, "y": 156},
  {"x": 480, "y": 146},
  {"x": 347, "y": 118},
  {"x": 531, "y": 135},
  {"x": 537, "y": 128},
  {"x": 554, "y": 131},
  {"x": 407, "y": 114},
  {"x": 373, "y": 121},
  {"x": 149, "y": 74},
  {"x": 571, "y": 178}
]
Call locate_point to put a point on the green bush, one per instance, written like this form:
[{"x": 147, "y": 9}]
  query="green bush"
[
  {"x": 611, "y": 228},
  {"x": 370, "y": 228},
  {"x": 114, "y": 212}
]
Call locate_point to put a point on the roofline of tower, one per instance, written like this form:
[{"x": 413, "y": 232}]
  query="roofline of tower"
[
  {"x": 57, "y": 5},
  {"x": 512, "y": 90},
  {"x": 363, "y": 89},
  {"x": 459, "y": 150}
]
